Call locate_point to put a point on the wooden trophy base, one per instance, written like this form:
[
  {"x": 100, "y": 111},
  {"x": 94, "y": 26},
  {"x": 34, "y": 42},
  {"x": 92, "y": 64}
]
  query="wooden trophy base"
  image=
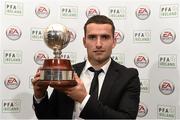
[
  {"x": 60, "y": 83},
  {"x": 57, "y": 72}
]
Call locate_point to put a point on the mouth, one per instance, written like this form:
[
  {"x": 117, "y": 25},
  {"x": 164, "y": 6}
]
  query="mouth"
[{"x": 98, "y": 51}]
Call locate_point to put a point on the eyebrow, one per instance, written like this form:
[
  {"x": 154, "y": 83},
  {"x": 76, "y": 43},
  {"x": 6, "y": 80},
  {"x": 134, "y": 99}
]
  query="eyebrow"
[{"x": 104, "y": 34}]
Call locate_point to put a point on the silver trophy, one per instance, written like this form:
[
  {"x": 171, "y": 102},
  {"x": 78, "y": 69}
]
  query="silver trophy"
[{"x": 57, "y": 37}]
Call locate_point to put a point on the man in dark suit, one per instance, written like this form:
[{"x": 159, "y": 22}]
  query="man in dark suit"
[{"x": 118, "y": 91}]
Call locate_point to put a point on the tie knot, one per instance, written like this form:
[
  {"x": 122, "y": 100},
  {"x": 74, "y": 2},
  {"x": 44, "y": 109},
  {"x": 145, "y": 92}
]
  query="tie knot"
[{"x": 95, "y": 71}]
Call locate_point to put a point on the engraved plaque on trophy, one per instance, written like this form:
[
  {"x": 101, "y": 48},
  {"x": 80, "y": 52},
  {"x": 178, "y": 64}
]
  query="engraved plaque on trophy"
[{"x": 57, "y": 70}]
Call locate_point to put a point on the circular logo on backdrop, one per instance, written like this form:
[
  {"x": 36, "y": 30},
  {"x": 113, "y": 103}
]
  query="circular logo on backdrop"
[
  {"x": 167, "y": 36},
  {"x": 119, "y": 36},
  {"x": 166, "y": 87},
  {"x": 72, "y": 34},
  {"x": 12, "y": 82},
  {"x": 142, "y": 110},
  {"x": 142, "y": 12},
  {"x": 42, "y": 11},
  {"x": 40, "y": 56},
  {"x": 13, "y": 33},
  {"x": 91, "y": 11},
  {"x": 141, "y": 60}
]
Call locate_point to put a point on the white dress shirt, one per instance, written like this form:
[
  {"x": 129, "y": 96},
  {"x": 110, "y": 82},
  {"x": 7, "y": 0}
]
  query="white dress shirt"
[{"x": 86, "y": 77}]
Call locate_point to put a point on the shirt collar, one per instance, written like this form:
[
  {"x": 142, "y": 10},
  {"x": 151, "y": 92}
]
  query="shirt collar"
[{"x": 105, "y": 67}]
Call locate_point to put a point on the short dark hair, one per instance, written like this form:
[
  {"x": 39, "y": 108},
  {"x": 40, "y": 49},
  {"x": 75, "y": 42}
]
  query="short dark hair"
[{"x": 99, "y": 19}]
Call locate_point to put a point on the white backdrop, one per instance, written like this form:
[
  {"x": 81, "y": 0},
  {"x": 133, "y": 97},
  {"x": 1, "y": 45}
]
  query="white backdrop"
[{"x": 148, "y": 39}]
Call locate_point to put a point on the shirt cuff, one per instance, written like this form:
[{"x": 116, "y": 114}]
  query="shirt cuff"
[
  {"x": 84, "y": 102},
  {"x": 38, "y": 100}
]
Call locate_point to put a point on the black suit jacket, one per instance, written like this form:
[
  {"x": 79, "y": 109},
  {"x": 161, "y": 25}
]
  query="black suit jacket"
[{"x": 119, "y": 97}]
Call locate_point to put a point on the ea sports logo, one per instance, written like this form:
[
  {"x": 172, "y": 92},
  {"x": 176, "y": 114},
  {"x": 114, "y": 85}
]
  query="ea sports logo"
[
  {"x": 39, "y": 57},
  {"x": 13, "y": 33},
  {"x": 166, "y": 87},
  {"x": 142, "y": 12},
  {"x": 12, "y": 82},
  {"x": 91, "y": 11},
  {"x": 119, "y": 36},
  {"x": 167, "y": 36},
  {"x": 72, "y": 34},
  {"x": 142, "y": 110},
  {"x": 141, "y": 60},
  {"x": 42, "y": 11}
]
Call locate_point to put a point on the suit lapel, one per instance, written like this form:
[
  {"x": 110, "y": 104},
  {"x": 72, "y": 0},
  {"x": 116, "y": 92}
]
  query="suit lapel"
[
  {"x": 109, "y": 80},
  {"x": 79, "y": 67}
]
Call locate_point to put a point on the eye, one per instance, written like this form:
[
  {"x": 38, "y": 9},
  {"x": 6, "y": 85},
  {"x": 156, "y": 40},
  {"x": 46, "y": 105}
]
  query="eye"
[
  {"x": 91, "y": 37},
  {"x": 105, "y": 37}
]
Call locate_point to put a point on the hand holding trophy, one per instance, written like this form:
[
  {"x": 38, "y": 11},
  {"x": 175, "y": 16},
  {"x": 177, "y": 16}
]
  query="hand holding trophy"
[{"x": 57, "y": 70}]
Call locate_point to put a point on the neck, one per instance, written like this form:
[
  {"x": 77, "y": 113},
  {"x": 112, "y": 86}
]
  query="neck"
[{"x": 98, "y": 64}]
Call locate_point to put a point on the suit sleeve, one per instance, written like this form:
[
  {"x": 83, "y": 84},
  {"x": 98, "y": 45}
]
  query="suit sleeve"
[
  {"x": 128, "y": 101},
  {"x": 45, "y": 109}
]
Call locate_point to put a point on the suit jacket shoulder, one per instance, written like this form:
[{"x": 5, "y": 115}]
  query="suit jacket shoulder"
[
  {"x": 122, "y": 69},
  {"x": 78, "y": 67}
]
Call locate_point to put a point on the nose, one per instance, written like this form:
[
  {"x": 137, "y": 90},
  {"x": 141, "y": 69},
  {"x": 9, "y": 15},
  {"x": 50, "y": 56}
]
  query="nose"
[{"x": 98, "y": 42}]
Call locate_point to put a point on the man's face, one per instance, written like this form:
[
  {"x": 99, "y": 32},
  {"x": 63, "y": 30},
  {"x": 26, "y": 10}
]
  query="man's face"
[{"x": 99, "y": 42}]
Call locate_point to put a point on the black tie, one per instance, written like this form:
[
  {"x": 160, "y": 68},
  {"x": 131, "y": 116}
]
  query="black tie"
[{"x": 94, "y": 84}]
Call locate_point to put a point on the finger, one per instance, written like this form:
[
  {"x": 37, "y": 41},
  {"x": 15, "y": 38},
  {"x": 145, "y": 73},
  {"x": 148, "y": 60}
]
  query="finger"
[
  {"x": 67, "y": 92},
  {"x": 77, "y": 79},
  {"x": 34, "y": 81},
  {"x": 37, "y": 74}
]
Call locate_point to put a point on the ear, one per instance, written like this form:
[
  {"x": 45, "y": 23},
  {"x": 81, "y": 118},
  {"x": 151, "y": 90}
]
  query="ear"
[
  {"x": 114, "y": 42},
  {"x": 84, "y": 41}
]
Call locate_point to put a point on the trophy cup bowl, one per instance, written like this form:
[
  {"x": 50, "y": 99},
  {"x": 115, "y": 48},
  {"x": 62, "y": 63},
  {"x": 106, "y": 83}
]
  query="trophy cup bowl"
[{"x": 57, "y": 71}]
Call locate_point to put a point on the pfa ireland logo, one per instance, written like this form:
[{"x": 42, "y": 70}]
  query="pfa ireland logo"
[
  {"x": 142, "y": 12},
  {"x": 91, "y": 11},
  {"x": 11, "y": 106},
  {"x": 42, "y": 11},
  {"x": 145, "y": 85},
  {"x": 69, "y": 12},
  {"x": 142, "y": 36},
  {"x": 12, "y": 56},
  {"x": 167, "y": 36},
  {"x": 69, "y": 56},
  {"x": 117, "y": 12},
  {"x": 166, "y": 87},
  {"x": 141, "y": 60},
  {"x": 13, "y": 32},
  {"x": 13, "y": 8},
  {"x": 37, "y": 34},
  {"x": 167, "y": 61},
  {"x": 119, "y": 58},
  {"x": 166, "y": 112},
  {"x": 168, "y": 11}
]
